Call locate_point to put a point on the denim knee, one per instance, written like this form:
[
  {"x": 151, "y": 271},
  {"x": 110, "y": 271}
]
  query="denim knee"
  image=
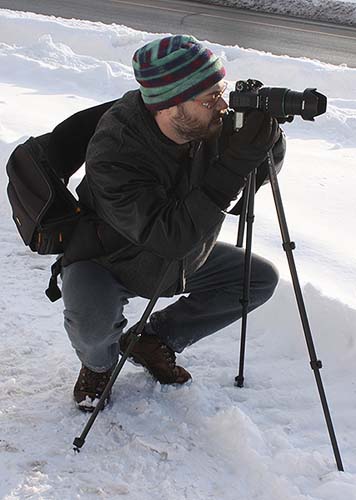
[
  {"x": 85, "y": 329},
  {"x": 272, "y": 277},
  {"x": 264, "y": 278}
]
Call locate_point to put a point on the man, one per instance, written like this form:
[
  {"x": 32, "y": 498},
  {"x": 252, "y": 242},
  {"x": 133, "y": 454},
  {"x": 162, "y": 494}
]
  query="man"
[{"x": 161, "y": 170}]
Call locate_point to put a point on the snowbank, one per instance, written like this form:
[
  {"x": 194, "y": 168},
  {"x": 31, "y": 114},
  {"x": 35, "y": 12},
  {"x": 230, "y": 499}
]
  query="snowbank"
[{"x": 333, "y": 11}]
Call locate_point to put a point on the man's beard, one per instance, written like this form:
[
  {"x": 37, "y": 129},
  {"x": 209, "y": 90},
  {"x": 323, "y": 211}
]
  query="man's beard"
[{"x": 192, "y": 129}]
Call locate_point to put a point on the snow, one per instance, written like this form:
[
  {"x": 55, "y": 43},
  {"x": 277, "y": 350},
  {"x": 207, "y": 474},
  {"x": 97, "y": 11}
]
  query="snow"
[{"x": 209, "y": 439}]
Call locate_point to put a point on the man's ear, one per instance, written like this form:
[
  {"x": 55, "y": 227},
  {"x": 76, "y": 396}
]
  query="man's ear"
[
  {"x": 164, "y": 115},
  {"x": 172, "y": 111}
]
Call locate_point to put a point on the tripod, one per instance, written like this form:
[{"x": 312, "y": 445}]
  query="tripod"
[
  {"x": 247, "y": 216},
  {"x": 248, "y": 206}
]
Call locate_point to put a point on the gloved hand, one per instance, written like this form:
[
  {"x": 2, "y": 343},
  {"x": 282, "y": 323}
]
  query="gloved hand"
[
  {"x": 247, "y": 148},
  {"x": 241, "y": 153}
]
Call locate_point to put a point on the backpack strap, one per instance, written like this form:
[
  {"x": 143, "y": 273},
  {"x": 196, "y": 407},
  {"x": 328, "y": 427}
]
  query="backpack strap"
[
  {"x": 69, "y": 140},
  {"x": 53, "y": 291}
]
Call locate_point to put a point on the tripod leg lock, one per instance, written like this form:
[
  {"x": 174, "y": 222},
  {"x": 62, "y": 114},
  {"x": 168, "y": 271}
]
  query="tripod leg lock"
[
  {"x": 316, "y": 365},
  {"x": 289, "y": 246}
]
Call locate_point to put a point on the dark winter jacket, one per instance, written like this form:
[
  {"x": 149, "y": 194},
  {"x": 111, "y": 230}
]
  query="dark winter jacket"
[{"x": 147, "y": 201}]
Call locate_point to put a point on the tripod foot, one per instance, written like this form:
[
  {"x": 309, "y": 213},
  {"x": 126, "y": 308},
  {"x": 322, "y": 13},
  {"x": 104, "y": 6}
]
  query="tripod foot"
[
  {"x": 78, "y": 443},
  {"x": 239, "y": 381}
]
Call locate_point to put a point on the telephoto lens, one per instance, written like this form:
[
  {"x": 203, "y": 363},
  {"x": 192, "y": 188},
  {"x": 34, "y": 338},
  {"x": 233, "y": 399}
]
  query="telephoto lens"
[{"x": 281, "y": 103}]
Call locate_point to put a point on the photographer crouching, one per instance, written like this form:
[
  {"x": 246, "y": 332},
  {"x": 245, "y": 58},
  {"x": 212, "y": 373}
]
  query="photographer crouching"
[{"x": 162, "y": 168}]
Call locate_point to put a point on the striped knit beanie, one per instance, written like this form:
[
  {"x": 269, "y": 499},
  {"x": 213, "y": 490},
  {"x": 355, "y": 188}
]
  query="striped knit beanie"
[{"x": 175, "y": 69}]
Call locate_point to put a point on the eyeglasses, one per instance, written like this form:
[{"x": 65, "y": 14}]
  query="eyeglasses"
[{"x": 212, "y": 100}]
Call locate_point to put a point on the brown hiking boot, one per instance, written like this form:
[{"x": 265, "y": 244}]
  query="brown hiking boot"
[
  {"x": 159, "y": 359},
  {"x": 89, "y": 387}
]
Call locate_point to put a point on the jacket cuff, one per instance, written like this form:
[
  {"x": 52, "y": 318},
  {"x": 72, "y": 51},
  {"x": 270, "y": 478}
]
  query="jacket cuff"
[{"x": 221, "y": 185}]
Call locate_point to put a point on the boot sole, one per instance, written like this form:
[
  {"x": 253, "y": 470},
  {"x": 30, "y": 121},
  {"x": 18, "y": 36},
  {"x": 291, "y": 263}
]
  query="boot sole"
[{"x": 89, "y": 409}]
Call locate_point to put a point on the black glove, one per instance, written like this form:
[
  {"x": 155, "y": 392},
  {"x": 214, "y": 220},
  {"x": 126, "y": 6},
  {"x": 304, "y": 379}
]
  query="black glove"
[
  {"x": 248, "y": 147},
  {"x": 244, "y": 151}
]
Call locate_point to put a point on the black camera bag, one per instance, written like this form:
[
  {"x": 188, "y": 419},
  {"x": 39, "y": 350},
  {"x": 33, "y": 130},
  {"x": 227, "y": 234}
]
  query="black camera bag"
[{"x": 44, "y": 210}]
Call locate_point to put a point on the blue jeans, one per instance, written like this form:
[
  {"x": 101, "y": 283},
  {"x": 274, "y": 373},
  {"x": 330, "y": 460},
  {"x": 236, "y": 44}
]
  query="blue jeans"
[{"x": 94, "y": 304}]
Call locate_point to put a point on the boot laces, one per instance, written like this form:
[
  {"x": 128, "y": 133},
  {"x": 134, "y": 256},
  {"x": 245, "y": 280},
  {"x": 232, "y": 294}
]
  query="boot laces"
[
  {"x": 169, "y": 355},
  {"x": 93, "y": 381}
]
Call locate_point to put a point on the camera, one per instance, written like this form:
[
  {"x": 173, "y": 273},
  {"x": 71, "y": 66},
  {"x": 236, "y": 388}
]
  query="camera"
[{"x": 281, "y": 103}]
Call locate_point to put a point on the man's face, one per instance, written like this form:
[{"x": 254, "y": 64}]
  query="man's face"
[{"x": 201, "y": 118}]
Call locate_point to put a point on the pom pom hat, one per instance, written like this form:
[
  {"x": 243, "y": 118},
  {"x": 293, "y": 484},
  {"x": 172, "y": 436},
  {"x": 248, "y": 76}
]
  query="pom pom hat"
[{"x": 175, "y": 69}]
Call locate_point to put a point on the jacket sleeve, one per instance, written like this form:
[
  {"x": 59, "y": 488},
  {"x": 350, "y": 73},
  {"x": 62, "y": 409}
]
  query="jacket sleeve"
[{"x": 131, "y": 199}]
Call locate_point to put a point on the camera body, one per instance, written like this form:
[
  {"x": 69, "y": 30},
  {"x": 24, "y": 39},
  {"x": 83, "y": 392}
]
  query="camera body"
[{"x": 281, "y": 103}]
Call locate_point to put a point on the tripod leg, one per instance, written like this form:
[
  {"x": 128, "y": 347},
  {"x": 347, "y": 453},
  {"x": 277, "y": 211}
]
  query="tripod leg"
[
  {"x": 243, "y": 214},
  {"x": 79, "y": 441},
  {"x": 250, "y": 197},
  {"x": 288, "y": 247}
]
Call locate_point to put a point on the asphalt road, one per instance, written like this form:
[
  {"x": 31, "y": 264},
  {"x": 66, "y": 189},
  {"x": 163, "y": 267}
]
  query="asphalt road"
[{"x": 279, "y": 35}]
